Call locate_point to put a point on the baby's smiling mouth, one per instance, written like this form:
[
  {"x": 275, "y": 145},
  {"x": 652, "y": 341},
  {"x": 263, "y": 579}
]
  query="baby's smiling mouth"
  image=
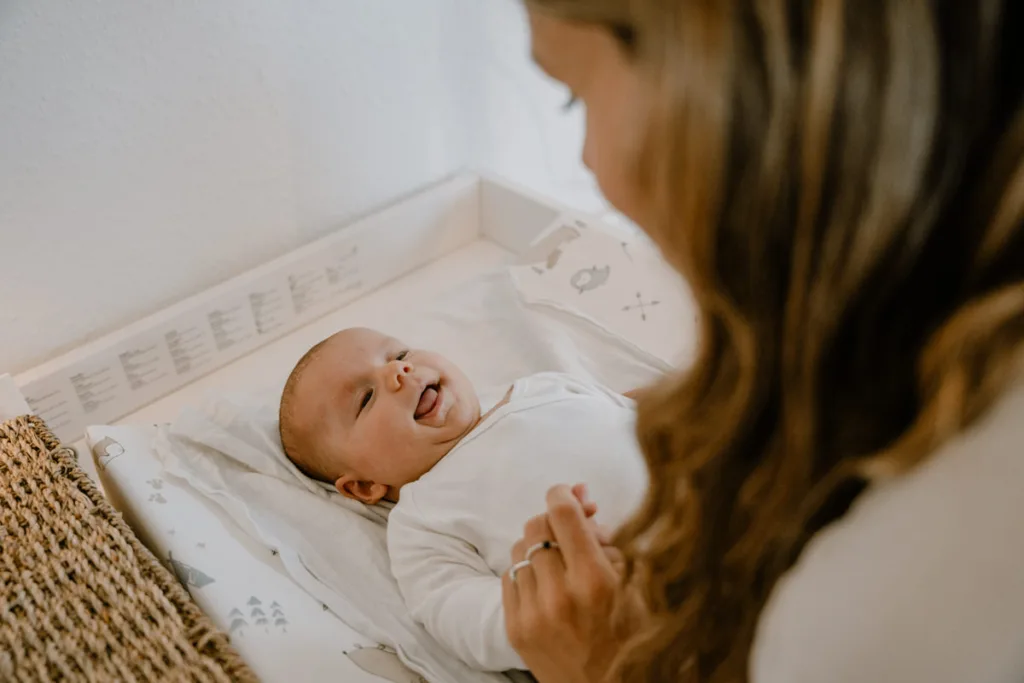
[{"x": 429, "y": 400}]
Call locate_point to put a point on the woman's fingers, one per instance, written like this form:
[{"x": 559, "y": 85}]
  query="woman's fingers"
[
  {"x": 554, "y": 602},
  {"x": 582, "y": 561},
  {"x": 568, "y": 522},
  {"x": 583, "y": 496},
  {"x": 616, "y": 559},
  {"x": 516, "y": 609},
  {"x": 524, "y": 579},
  {"x": 546, "y": 562},
  {"x": 538, "y": 593},
  {"x": 561, "y": 610},
  {"x": 604, "y": 534}
]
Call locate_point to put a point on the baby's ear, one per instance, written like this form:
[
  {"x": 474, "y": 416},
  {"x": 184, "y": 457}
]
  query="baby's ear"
[{"x": 367, "y": 492}]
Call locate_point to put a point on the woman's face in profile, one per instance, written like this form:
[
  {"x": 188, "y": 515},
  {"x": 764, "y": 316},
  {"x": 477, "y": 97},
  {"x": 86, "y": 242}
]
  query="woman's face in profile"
[{"x": 595, "y": 68}]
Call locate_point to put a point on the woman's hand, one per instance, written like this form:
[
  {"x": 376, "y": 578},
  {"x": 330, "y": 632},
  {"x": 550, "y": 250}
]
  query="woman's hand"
[{"x": 568, "y": 612}]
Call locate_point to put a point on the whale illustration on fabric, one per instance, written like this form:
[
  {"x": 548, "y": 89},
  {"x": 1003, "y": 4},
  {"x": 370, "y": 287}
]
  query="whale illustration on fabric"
[
  {"x": 187, "y": 574},
  {"x": 105, "y": 450},
  {"x": 589, "y": 279},
  {"x": 383, "y": 662}
]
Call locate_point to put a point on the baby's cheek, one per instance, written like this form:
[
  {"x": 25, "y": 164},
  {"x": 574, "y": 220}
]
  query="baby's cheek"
[{"x": 408, "y": 455}]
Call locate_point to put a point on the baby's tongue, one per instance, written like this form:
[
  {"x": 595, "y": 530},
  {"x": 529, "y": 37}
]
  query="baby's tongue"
[{"x": 427, "y": 401}]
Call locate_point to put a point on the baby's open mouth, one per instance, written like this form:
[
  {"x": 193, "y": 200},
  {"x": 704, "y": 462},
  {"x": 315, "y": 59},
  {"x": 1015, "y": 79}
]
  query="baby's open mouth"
[{"x": 428, "y": 401}]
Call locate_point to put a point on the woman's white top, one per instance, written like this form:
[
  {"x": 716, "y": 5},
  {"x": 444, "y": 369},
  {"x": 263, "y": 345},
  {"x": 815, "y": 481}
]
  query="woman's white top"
[{"x": 922, "y": 580}]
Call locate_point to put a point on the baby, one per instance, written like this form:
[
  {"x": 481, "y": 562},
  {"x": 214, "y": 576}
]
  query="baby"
[{"x": 381, "y": 421}]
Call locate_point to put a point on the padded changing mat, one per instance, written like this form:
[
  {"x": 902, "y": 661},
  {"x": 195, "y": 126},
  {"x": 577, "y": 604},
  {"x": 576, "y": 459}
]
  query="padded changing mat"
[{"x": 80, "y": 598}]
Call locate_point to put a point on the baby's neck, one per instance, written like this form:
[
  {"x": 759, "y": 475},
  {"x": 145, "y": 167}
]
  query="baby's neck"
[
  {"x": 503, "y": 401},
  {"x": 393, "y": 491},
  {"x": 480, "y": 418}
]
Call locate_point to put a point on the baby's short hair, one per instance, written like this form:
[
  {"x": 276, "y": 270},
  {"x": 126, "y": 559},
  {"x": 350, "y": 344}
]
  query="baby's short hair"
[{"x": 298, "y": 446}]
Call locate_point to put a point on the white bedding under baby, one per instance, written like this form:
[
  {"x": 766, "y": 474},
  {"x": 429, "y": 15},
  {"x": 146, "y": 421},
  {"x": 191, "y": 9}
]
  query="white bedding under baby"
[
  {"x": 306, "y": 558},
  {"x": 281, "y": 631}
]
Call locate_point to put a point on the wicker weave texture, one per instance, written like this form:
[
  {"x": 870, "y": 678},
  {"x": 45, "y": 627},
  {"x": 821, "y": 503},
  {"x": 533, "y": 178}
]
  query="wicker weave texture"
[{"x": 80, "y": 598}]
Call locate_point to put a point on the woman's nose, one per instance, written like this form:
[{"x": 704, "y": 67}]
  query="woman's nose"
[{"x": 397, "y": 374}]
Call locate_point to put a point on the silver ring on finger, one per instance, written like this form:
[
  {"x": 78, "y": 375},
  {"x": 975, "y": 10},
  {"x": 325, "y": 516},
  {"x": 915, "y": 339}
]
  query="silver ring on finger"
[
  {"x": 536, "y": 548},
  {"x": 514, "y": 569}
]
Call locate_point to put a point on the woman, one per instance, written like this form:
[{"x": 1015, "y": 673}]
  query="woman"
[{"x": 837, "y": 483}]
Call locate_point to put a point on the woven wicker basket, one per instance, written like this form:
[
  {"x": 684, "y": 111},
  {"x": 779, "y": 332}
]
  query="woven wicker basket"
[{"x": 80, "y": 598}]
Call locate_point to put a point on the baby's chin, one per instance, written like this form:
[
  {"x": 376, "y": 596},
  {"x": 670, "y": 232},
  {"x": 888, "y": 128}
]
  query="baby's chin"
[
  {"x": 468, "y": 404},
  {"x": 462, "y": 417}
]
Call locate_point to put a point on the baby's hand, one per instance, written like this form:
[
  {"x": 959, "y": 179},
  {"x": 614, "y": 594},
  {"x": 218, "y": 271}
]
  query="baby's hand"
[
  {"x": 589, "y": 506},
  {"x": 604, "y": 536}
]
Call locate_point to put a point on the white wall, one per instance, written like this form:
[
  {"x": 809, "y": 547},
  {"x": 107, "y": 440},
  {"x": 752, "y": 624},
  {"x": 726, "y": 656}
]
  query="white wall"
[
  {"x": 149, "y": 149},
  {"x": 520, "y": 128}
]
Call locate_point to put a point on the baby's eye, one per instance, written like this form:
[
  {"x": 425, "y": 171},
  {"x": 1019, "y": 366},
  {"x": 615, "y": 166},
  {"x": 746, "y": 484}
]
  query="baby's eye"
[
  {"x": 366, "y": 400},
  {"x": 402, "y": 355}
]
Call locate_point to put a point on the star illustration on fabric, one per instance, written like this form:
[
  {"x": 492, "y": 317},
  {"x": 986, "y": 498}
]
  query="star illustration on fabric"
[{"x": 641, "y": 306}]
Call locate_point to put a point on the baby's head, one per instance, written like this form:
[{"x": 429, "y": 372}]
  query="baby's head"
[{"x": 368, "y": 414}]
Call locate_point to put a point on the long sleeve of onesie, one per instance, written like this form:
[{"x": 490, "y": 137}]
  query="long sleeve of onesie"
[{"x": 449, "y": 588}]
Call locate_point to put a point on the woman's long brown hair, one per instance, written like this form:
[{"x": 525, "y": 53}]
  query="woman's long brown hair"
[{"x": 842, "y": 182}]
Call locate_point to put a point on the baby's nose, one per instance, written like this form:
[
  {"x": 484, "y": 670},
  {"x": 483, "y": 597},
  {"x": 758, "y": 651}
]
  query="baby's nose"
[{"x": 398, "y": 374}]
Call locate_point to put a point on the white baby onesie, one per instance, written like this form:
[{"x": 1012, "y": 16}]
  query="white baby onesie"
[{"x": 450, "y": 535}]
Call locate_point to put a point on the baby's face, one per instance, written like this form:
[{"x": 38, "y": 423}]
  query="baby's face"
[{"x": 385, "y": 413}]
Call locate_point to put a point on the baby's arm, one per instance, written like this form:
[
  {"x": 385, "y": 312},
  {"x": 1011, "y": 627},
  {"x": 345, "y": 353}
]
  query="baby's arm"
[{"x": 450, "y": 591}]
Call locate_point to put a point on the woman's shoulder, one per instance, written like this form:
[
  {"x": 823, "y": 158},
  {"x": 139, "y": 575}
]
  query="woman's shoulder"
[{"x": 922, "y": 580}]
